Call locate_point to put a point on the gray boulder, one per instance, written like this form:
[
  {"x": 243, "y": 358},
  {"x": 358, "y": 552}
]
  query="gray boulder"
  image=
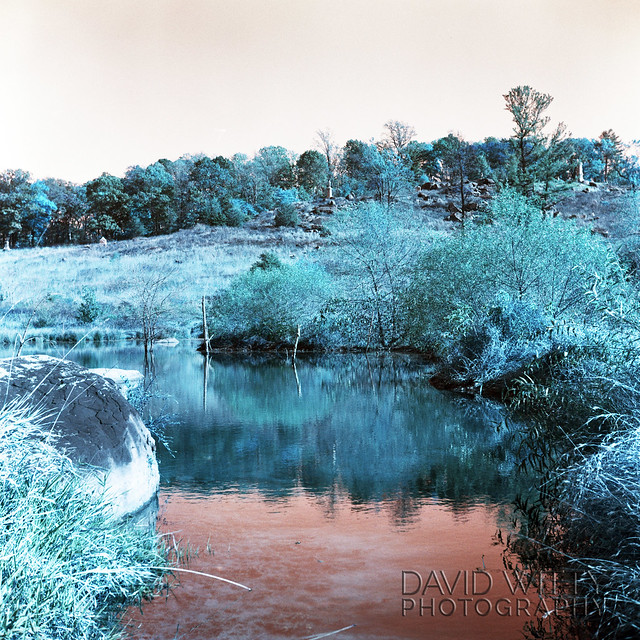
[{"x": 96, "y": 426}]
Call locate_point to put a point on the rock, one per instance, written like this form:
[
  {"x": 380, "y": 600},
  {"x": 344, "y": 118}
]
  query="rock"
[
  {"x": 600, "y": 231},
  {"x": 593, "y": 183},
  {"x": 453, "y": 217},
  {"x": 167, "y": 342},
  {"x": 125, "y": 379},
  {"x": 472, "y": 205},
  {"x": 97, "y": 428},
  {"x": 452, "y": 208}
]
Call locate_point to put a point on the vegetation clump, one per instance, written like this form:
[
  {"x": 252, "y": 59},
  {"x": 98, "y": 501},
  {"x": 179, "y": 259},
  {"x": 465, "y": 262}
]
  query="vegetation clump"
[{"x": 67, "y": 569}]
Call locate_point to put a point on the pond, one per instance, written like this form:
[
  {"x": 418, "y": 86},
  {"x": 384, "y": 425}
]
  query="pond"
[{"x": 347, "y": 493}]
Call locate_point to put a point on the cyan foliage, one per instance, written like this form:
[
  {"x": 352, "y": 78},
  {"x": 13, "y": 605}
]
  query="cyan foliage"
[{"x": 271, "y": 303}]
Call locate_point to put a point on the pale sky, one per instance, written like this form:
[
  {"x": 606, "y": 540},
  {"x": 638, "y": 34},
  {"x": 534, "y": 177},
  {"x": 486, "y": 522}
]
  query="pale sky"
[{"x": 98, "y": 85}]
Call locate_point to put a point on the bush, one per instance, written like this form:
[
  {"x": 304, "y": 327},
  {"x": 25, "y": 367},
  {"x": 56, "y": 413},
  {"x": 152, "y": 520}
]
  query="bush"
[
  {"x": 286, "y": 215},
  {"x": 237, "y": 211},
  {"x": 489, "y": 298},
  {"x": 66, "y": 568},
  {"x": 376, "y": 247},
  {"x": 270, "y": 303},
  {"x": 267, "y": 261},
  {"x": 286, "y": 212},
  {"x": 89, "y": 309}
]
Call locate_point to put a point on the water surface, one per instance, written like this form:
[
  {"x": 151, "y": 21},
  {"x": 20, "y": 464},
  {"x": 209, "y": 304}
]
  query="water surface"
[{"x": 317, "y": 487}]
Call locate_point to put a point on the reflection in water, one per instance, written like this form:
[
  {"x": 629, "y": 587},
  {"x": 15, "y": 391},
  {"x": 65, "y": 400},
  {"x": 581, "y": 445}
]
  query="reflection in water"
[
  {"x": 373, "y": 427},
  {"x": 318, "y": 486}
]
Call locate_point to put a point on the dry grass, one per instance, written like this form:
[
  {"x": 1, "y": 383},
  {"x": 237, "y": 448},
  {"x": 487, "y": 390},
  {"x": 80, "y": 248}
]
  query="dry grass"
[{"x": 199, "y": 261}]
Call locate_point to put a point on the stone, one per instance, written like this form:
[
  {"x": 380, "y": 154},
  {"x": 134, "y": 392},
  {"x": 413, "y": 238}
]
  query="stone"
[
  {"x": 125, "y": 379},
  {"x": 167, "y": 342},
  {"x": 97, "y": 428},
  {"x": 453, "y": 217},
  {"x": 452, "y": 208}
]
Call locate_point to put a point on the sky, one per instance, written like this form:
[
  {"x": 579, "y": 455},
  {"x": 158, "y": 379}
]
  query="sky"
[{"x": 89, "y": 86}]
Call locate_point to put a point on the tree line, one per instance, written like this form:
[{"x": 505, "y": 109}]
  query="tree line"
[{"x": 170, "y": 195}]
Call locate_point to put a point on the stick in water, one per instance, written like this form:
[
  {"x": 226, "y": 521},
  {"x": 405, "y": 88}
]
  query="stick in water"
[
  {"x": 206, "y": 575},
  {"x": 331, "y": 633}
]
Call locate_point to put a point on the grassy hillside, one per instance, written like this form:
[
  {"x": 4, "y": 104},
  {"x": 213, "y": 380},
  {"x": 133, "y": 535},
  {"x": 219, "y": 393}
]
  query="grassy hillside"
[{"x": 45, "y": 286}]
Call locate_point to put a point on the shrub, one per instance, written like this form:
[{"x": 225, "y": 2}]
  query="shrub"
[
  {"x": 497, "y": 285},
  {"x": 236, "y": 211},
  {"x": 267, "y": 260},
  {"x": 376, "y": 249},
  {"x": 270, "y": 303},
  {"x": 89, "y": 309},
  {"x": 286, "y": 215}
]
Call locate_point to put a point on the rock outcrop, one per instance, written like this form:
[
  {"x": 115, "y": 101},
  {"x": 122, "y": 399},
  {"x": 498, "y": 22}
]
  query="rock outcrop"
[{"x": 95, "y": 425}]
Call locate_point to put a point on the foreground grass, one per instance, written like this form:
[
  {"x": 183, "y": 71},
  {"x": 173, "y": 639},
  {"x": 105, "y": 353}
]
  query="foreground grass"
[{"x": 66, "y": 568}]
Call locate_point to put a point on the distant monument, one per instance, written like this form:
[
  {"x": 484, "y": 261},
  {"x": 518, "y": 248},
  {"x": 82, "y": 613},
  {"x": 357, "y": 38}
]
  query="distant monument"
[{"x": 328, "y": 193}]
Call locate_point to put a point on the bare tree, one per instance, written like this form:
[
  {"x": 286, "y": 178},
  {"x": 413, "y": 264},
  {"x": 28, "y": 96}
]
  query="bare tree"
[
  {"x": 397, "y": 135},
  {"x": 153, "y": 295},
  {"x": 327, "y": 145}
]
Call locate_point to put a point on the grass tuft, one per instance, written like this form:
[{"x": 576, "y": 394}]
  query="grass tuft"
[{"x": 67, "y": 569}]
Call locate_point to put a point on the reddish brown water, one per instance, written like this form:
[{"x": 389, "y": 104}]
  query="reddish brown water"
[{"x": 319, "y": 564}]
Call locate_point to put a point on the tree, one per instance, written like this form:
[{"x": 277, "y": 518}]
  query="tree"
[
  {"x": 378, "y": 245},
  {"x": 527, "y": 107},
  {"x": 370, "y": 171},
  {"x": 610, "y": 148},
  {"x": 554, "y": 162},
  {"x": 389, "y": 176},
  {"x": 397, "y": 136},
  {"x": 37, "y": 214},
  {"x": 456, "y": 156},
  {"x": 276, "y": 166},
  {"x": 70, "y": 217},
  {"x": 108, "y": 205},
  {"x": 15, "y": 194},
  {"x": 499, "y": 154},
  {"x": 312, "y": 173},
  {"x": 152, "y": 304},
  {"x": 328, "y": 147},
  {"x": 422, "y": 159},
  {"x": 151, "y": 193}
]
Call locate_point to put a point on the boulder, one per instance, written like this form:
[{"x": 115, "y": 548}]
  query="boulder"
[
  {"x": 453, "y": 217},
  {"x": 452, "y": 208},
  {"x": 97, "y": 428},
  {"x": 125, "y": 379}
]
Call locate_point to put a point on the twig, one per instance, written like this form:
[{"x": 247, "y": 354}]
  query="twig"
[
  {"x": 331, "y": 633},
  {"x": 206, "y": 575}
]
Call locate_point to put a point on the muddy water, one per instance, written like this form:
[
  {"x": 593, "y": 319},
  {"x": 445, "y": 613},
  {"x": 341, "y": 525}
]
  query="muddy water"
[
  {"x": 317, "y": 488},
  {"x": 316, "y": 567}
]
